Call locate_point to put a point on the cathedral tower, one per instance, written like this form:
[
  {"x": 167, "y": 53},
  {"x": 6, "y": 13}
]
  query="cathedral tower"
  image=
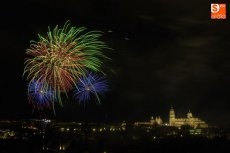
[
  {"x": 189, "y": 114},
  {"x": 171, "y": 116}
]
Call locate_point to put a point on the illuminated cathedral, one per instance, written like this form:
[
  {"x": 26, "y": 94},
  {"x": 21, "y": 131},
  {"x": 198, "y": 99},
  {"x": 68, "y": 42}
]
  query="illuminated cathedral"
[{"x": 190, "y": 120}]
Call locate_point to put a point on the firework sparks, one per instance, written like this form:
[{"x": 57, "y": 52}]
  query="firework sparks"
[
  {"x": 60, "y": 58},
  {"x": 40, "y": 95},
  {"x": 90, "y": 85}
]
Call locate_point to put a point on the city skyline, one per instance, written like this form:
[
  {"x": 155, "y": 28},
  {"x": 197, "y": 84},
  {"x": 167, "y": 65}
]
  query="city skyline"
[{"x": 163, "y": 54}]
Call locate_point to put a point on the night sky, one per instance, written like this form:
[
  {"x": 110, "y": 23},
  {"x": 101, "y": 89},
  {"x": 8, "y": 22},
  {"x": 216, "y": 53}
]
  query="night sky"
[{"x": 164, "y": 53}]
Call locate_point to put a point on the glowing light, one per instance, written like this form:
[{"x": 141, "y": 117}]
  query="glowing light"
[
  {"x": 40, "y": 95},
  {"x": 62, "y": 57},
  {"x": 90, "y": 85}
]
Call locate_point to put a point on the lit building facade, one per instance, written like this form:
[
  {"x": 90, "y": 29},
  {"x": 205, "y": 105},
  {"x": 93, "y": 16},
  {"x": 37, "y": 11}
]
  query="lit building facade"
[
  {"x": 152, "y": 121},
  {"x": 190, "y": 120}
]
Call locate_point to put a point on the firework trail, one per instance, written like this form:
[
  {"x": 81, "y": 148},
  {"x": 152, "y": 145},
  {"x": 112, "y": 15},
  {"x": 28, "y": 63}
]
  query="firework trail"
[
  {"x": 88, "y": 86},
  {"x": 40, "y": 95},
  {"x": 63, "y": 56}
]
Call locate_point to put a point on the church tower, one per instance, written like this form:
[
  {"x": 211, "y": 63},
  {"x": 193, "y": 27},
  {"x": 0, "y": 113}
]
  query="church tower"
[
  {"x": 171, "y": 116},
  {"x": 189, "y": 114}
]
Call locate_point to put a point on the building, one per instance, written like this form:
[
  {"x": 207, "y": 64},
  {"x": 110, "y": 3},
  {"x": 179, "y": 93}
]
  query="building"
[
  {"x": 152, "y": 121},
  {"x": 190, "y": 120}
]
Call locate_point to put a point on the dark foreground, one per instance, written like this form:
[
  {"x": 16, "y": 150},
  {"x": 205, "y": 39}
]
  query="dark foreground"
[
  {"x": 60, "y": 137},
  {"x": 108, "y": 145}
]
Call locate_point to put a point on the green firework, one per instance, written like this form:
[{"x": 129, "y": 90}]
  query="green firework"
[{"x": 61, "y": 57}]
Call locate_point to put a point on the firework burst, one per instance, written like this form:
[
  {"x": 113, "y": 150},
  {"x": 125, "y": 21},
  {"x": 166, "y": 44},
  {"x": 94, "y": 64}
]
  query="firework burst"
[
  {"x": 60, "y": 58},
  {"x": 88, "y": 86},
  {"x": 40, "y": 95}
]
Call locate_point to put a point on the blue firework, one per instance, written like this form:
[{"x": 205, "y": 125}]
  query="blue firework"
[
  {"x": 40, "y": 95},
  {"x": 89, "y": 86}
]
